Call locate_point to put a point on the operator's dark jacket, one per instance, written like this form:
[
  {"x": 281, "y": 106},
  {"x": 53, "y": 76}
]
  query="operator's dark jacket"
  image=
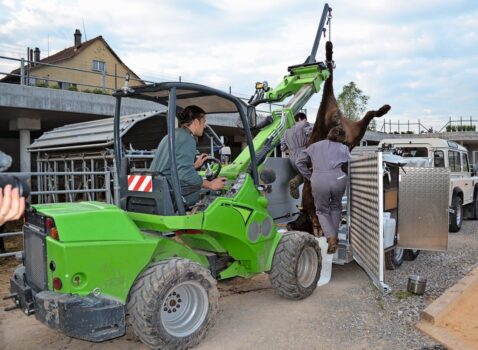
[{"x": 190, "y": 180}]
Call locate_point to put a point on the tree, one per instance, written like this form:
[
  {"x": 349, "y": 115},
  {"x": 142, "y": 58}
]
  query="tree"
[{"x": 353, "y": 102}]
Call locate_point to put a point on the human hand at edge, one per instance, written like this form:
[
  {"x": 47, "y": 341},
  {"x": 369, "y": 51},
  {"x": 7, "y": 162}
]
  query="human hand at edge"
[
  {"x": 12, "y": 205},
  {"x": 200, "y": 161},
  {"x": 217, "y": 184}
]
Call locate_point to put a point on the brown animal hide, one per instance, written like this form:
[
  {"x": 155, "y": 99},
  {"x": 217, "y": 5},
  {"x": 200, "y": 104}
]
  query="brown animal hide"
[{"x": 329, "y": 116}]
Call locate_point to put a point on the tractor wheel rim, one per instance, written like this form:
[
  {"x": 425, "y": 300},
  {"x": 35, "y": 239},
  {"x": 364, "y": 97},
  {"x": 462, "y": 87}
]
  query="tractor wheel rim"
[
  {"x": 184, "y": 309},
  {"x": 307, "y": 267},
  {"x": 398, "y": 253}
]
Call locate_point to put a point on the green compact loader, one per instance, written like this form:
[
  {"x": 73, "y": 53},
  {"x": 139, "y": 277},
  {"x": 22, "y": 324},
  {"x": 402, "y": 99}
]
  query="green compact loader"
[{"x": 90, "y": 266}]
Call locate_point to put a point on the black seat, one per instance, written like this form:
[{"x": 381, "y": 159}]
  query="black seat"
[{"x": 138, "y": 199}]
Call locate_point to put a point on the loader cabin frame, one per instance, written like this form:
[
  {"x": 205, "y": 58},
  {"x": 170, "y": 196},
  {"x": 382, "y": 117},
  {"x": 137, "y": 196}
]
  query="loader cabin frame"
[{"x": 175, "y": 96}]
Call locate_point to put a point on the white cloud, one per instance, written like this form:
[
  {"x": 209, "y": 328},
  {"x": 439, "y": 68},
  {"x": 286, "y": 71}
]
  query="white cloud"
[{"x": 421, "y": 57}]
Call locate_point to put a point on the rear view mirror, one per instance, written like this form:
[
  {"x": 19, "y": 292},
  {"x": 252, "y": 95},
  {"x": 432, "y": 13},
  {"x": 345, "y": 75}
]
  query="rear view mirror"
[{"x": 473, "y": 169}]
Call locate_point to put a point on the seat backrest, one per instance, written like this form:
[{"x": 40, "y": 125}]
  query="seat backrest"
[{"x": 147, "y": 193}]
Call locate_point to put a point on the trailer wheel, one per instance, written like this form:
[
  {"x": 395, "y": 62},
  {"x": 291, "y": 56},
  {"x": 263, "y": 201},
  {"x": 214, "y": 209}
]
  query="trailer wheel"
[
  {"x": 394, "y": 258},
  {"x": 456, "y": 218},
  {"x": 173, "y": 304},
  {"x": 410, "y": 254},
  {"x": 296, "y": 265}
]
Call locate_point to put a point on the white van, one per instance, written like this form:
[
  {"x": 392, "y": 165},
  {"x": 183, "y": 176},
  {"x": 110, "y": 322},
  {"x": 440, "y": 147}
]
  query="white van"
[{"x": 436, "y": 152}]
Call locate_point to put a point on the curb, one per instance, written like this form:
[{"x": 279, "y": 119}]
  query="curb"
[{"x": 434, "y": 320}]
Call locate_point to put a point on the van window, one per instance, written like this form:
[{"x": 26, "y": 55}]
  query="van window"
[
  {"x": 454, "y": 161},
  {"x": 439, "y": 159},
  {"x": 466, "y": 167},
  {"x": 414, "y": 152}
]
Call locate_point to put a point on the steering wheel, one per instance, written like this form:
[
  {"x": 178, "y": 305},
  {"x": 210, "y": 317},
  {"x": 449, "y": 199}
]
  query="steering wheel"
[{"x": 213, "y": 168}]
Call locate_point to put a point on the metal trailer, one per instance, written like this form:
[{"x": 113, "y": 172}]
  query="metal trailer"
[{"x": 417, "y": 198}]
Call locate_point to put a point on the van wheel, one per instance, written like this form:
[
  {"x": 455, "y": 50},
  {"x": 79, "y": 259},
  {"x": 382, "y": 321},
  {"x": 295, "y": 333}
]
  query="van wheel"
[
  {"x": 394, "y": 258},
  {"x": 475, "y": 204},
  {"x": 173, "y": 304},
  {"x": 410, "y": 254},
  {"x": 456, "y": 218}
]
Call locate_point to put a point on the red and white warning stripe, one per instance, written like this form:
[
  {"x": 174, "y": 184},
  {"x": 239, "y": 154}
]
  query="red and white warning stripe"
[{"x": 140, "y": 183}]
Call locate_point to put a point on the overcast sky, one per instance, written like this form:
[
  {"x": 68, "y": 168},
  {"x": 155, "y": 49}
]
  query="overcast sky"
[{"x": 420, "y": 57}]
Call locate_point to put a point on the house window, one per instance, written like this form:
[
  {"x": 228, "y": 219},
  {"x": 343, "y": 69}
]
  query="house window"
[{"x": 98, "y": 66}]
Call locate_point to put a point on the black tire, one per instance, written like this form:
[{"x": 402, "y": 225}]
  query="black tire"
[
  {"x": 475, "y": 204},
  {"x": 154, "y": 299},
  {"x": 410, "y": 254},
  {"x": 296, "y": 265},
  {"x": 456, "y": 218},
  {"x": 394, "y": 258}
]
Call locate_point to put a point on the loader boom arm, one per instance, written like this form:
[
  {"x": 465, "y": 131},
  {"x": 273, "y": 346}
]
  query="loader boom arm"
[{"x": 302, "y": 82}]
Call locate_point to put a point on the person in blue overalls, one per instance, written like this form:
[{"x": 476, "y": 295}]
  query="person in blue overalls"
[{"x": 328, "y": 180}]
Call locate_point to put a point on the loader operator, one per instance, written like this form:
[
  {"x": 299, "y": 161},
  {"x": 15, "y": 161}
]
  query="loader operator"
[
  {"x": 294, "y": 141},
  {"x": 328, "y": 180},
  {"x": 192, "y": 121}
]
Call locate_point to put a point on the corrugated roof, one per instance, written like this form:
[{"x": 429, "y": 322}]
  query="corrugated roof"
[
  {"x": 99, "y": 133},
  {"x": 87, "y": 134}
]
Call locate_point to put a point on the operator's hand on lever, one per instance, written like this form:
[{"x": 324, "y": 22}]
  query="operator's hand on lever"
[
  {"x": 12, "y": 205},
  {"x": 200, "y": 161},
  {"x": 216, "y": 184}
]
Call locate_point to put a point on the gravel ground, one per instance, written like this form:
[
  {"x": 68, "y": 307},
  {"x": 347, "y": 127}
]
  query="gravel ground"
[
  {"x": 252, "y": 317},
  {"x": 400, "y": 310}
]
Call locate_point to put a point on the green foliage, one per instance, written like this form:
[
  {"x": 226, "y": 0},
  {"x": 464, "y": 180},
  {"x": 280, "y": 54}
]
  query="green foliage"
[
  {"x": 352, "y": 101},
  {"x": 455, "y": 128},
  {"x": 402, "y": 294},
  {"x": 55, "y": 86},
  {"x": 41, "y": 84},
  {"x": 88, "y": 91},
  {"x": 72, "y": 88},
  {"x": 98, "y": 91}
]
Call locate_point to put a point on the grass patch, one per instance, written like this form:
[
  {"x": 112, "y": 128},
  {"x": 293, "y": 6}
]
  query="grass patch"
[{"x": 402, "y": 294}]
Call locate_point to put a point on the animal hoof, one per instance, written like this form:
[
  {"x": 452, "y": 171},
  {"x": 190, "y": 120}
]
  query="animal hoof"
[
  {"x": 294, "y": 189},
  {"x": 383, "y": 110},
  {"x": 333, "y": 245}
]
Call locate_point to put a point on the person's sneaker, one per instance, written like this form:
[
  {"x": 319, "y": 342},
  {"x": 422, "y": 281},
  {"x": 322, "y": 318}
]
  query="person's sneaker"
[
  {"x": 294, "y": 189},
  {"x": 333, "y": 245}
]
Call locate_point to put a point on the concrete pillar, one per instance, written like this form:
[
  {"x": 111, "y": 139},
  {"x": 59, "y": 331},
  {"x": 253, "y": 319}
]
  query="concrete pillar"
[
  {"x": 24, "y": 126},
  {"x": 25, "y": 159}
]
